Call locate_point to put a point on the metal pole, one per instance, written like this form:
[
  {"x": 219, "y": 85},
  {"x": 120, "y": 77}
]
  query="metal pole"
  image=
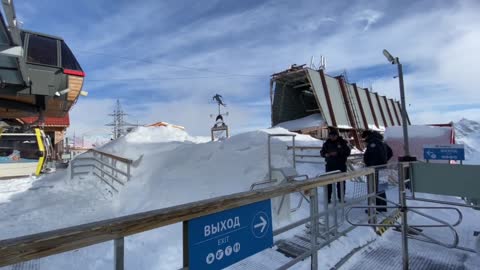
[
  {"x": 343, "y": 186},
  {"x": 403, "y": 210},
  {"x": 293, "y": 151},
  {"x": 335, "y": 214},
  {"x": 327, "y": 214},
  {"x": 314, "y": 228},
  {"x": 128, "y": 172},
  {"x": 269, "y": 160},
  {"x": 371, "y": 199},
  {"x": 404, "y": 108},
  {"x": 119, "y": 253},
  {"x": 71, "y": 168}
]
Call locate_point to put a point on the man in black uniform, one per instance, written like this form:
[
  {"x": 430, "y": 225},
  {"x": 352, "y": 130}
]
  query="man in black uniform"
[
  {"x": 377, "y": 153},
  {"x": 335, "y": 150}
]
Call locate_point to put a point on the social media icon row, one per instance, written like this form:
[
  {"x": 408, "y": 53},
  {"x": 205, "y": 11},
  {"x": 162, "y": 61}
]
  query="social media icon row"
[{"x": 221, "y": 253}]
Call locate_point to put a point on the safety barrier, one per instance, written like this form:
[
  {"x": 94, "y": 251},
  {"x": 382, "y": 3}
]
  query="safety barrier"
[
  {"x": 54, "y": 242},
  {"x": 414, "y": 231},
  {"x": 112, "y": 170}
]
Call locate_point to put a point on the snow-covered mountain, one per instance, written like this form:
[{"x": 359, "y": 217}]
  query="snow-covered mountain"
[{"x": 467, "y": 132}]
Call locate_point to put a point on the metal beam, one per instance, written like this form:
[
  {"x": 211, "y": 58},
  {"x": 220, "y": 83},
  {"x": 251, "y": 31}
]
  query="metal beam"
[
  {"x": 388, "y": 111},
  {"x": 372, "y": 109},
  {"x": 395, "y": 111},
  {"x": 381, "y": 110},
  {"x": 16, "y": 105},
  {"x": 364, "y": 117},
  {"x": 327, "y": 97}
]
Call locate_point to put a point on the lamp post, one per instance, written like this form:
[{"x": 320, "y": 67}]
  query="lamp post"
[
  {"x": 395, "y": 60},
  {"x": 407, "y": 157}
]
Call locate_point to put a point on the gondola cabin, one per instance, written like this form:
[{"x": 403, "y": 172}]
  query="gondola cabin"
[
  {"x": 23, "y": 154},
  {"x": 44, "y": 76}
]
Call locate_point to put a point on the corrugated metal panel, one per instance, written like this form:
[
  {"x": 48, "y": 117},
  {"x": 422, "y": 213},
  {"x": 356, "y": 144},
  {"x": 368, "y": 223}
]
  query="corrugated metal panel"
[
  {"x": 377, "y": 110},
  {"x": 366, "y": 108},
  {"x": 357, "y": 110},
  {"x": 395, "y": 115},
  {"x": 317, "y": 86},
  {"x": 399, "y": 111},
  {"x": 385, "y": 109},
  {"x": 338, "y": 103}
]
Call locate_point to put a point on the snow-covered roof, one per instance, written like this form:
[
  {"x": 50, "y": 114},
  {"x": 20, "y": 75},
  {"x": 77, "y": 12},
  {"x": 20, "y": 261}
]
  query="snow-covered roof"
[{"x": 313, "y": 120}]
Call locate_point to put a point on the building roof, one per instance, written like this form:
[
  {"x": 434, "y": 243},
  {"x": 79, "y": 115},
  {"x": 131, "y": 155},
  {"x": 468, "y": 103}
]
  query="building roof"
[
  {"x": 49, "y": 121},
  {"x": 164, "y": 124}
]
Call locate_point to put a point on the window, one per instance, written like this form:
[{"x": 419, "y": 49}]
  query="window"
[
  {"x": 42, "y": 50},
  {"x": 17, "y": 147},
  {"x": 68, "y": 59}
]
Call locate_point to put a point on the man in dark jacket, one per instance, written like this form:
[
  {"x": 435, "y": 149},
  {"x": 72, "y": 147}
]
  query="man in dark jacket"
[
  {"x": 377, "y": 153},
  {"x": 335, "y": 150}
]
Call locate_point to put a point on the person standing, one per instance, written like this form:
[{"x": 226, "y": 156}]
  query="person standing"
[
  {"x": 335, "y": 150},
  {"x": 377, "y": 153}
]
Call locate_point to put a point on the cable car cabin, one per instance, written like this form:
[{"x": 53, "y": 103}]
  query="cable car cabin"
[
  {"x": 22, "y": 154},
  {"x": 44, "y": 76}
]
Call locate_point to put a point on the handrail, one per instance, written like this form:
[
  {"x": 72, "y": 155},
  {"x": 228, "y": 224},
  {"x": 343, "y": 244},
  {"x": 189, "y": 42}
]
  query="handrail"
[
  {"x": 410, "y": 227},
  {"x": 39, "y": 245},
  {"x": 122, "y": 159},
  {"x": 304, "y": 147}
]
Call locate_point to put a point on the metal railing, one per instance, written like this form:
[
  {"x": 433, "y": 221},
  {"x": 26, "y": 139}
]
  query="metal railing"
[
  {"x": 110, "y": 169},
  {"x": 35, "y": 246},
  {"x": 413, "y": 231},
  {"x": 324, "y": 224}
]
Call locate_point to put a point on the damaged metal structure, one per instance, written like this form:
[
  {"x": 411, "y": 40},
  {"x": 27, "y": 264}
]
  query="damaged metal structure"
[{"x": 301, "y": 91}]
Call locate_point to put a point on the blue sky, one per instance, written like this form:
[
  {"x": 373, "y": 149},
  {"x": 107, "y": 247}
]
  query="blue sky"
[{"x": 164, "y": 60}]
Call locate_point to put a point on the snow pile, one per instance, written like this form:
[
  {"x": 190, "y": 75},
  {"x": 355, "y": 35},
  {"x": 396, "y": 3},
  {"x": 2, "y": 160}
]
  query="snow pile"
[
  {"x": 12, "y": 186},
  {"x": 91, "y": 141},
  {"x": 313, "y": 120},
  {"x": 175, "y": 168},
  {"x": 169, "y": 170},
  {"x": 467, "y": 132},
  {"x": 161, "y": 134},
  {"x": 418, "y": 137}
]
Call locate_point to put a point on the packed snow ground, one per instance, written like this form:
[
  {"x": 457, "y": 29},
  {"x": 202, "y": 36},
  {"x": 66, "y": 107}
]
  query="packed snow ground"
[{"x": 175, "y": 168}]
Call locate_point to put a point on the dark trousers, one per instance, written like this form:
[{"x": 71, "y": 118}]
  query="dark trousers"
[
  {"x": 339, "y": 191},
  {"x": 381, "y": 194},
  {"x": 330, "y": 186}
]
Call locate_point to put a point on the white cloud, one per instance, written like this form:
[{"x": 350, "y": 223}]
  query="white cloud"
[
  {"x": 437, "y": 47},
  {"x": 369, "y": 17},
  {"x": 91, "y": 115}
]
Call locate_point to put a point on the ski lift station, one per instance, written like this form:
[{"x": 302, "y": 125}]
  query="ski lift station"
[
  {"x": 317, "y": 101},
  {"x": 40, "y": 81}
]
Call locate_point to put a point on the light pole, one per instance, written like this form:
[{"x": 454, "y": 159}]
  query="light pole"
[
  {"x": 395, "y": 60},
  {"x": 406, "y": 158}
]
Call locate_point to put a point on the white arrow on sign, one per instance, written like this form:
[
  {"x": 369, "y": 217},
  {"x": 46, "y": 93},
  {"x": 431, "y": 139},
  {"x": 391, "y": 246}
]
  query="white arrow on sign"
[
  {"x": 262, "y": 224},
  {"x": 431, "y": 154}
]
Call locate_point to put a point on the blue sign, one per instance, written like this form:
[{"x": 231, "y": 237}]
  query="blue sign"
[
  {"x": 222, "y": 239},
  {"x": 444, "y": 152}
]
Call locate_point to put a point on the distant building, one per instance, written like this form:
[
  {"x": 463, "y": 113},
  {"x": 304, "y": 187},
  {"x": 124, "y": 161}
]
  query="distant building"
[
  {"x": 75, "y": 151},
  {"x": 55, "y": 128},
  {"x": 165, "y": 124}
]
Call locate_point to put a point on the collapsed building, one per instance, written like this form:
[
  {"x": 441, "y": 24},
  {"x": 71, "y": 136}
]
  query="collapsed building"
[{"x": 309, "y": 101}]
